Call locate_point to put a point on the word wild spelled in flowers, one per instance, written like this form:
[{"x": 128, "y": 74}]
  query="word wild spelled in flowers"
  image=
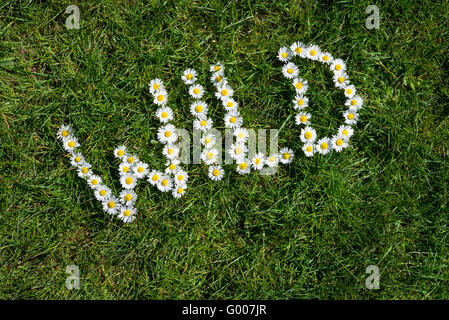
[{"x": 174, "y": 179}]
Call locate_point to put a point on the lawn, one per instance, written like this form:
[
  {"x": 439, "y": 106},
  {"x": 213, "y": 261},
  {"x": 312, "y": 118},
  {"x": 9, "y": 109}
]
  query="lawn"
[{"x": 310, "y": 231}]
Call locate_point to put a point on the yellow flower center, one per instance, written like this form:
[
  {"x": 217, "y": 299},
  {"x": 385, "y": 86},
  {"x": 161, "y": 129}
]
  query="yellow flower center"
[
  {"x": 323, "y": 146},
  {"x": 272, "y": 158},
  {"x": 309, "y": 148},
  {"x": 210, "y": 155},
  {"x": 308, "y": 135},
  {"x": 199, "y": 108},
  {"x": 120, "y": 153},
  {"x": 325, "y": 58},
  {"x": 196, "y": 91},
  {"x": 339, "y": 142},
  {"x": 180, "y": 177},
  {"x": 238, "y": 151},
  {"x": 299, "y": 85},
  {"x": 348, "y": 91},
  {"x": 167, "y": 134},
  {"x": 180, "y": 190},
  {"x": 94, "y": 182},
  {"x": 140, "y": 169},
  {"x": 243, "y": 166},
  {"x": 224, "y": 92},
  {"x": 286, "y": 156},
  {"x": 84, "y": 170},
  {"x": 128, "y": 197},
  {"x": 129, "y": 180},
  {"x": 64, "y": 133},
  {"x": 207, "y": 140},
  {"x": 77, "y": 159},
  {"x": 241, "y": 135},
  {"x": 130, "y": 160},
  {"x": 354, "y": 102},
  {"x": 229, "y": 104},
  {"x": 345, "y": 132},
  {"x": 216, "y": 68},
  {"x": 290, "y": 70},
  {"x": 312, "y": 52},
  {"x": 232, "y": 120},
  {"x": 284, "y": 55},
  {"x": 160, "y": 97},
  {"x": 172, "y": 167},
  {"x": 203, "y": 123},
  {"x": 341, "y": 79},
  {"x": 155, "y": 177},
  {"x": 102, "y": 193},
  {"x": 156, "y": 86},
  {"x": 298, "y": 50},
  {"x": 164, "y": 114},
  {"x": 257, "y": 161},
  {"x": 338, "y": 67},
  {"x": 125, "y": 169},
  {"x": 170, "y": 151},
  {"x": 189, "y": 76},
  {"x": 164, "y": 182},
  {"x": 300, "y": 102},
  {"x": 350, "y": 116},
  {"x": 126, "y": 213},
  {"x": 216, "y": 172},
  {"x": 218, "y": 78},
  {"x": 303, "y": 119},
  {"x": 111, "y": 204},
  {"x": 71, "y": 144}
]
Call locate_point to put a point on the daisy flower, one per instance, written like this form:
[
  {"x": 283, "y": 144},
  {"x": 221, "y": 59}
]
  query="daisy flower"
[
  {"x": 284, "y": 54},
  {"x": 196, "y": 91},
  {"x": 198, "y": 108},
  {"x": 70, "y": 143},
  {"x": 164, "y": 114},
  {"x": 93, "y": 181},
  {"x": 179, "y": 191},
  {"x": 241, "y": 134},
  {"x": 111, "y": 205},
  {"x": 189, "y": 76},
  {"x": 224, "y": 91},
  {"x": 76, "y": 159},
  {"x": 170, "y": 151},
  {"x": 217, "y": 78},
  {"x": 233, "y": 120},
  {"x": 203, "y": 123},
  {"x": 237, "y": 150},
  {"x": 160, "y": 97},
  {"x": 216, "y": 173},
  {"x": 338, "y": 65},
  {"x": 155, "y": 85},
  {"x": 165, "y": 183},
  {"x": 127, "y": 214},
  {"x": 120, "y": 152},
  {"x": 290, "y": 70},
  {"x": 339, "y": 143},
  {"x": 172, "y": 166},
  {"x": 84, "y": 169},
  {"x": 258, "y": 161},
  {"x": 349, "y": 91},
  {"x": 167, "y": 134},
  {"x": 243, "y": 166},
  {"x": 351, "y": 116},
  {"x": 217, "y": 68},
  {"x": 300, "y": 85},
  {"x": 64, "y": 132},
  {"x": 154, "y": 177},
  {"x": 181, "y": 177},
  {"x": 308, "y": 149},
  {"x": 208, "y": 140},
  {"x": 128, "y": 197},
  {"x": 323, "y": 146},
  {"x": 286, "y": 155},
  {"x": 298, "y": 49},
  {"x": 272, "y": 160},
  {"x": 102, "y": 193},
  {"x": 355, "y": 102},
  {"x": 340, "y": 80},
  {"x": 313, "y": 52},
  {"x": 326, "y": 57},
  {"x": 345, "y": 131},
  {"x": 209, "y": 156},
  {"x": 125, "y": 167},
  {"x": 230, "y": 104},
  {"x": 303, "y": 118},
  {"x": 300, "y": 102},
  {"x": 308, "y": 134},
  {"x": 140, "y": 169},
  {"x": 128, "y": 181}
]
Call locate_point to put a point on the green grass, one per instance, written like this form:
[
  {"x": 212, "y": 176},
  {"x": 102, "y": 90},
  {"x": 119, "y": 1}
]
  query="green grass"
[{"x": 310, "y": 231}]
